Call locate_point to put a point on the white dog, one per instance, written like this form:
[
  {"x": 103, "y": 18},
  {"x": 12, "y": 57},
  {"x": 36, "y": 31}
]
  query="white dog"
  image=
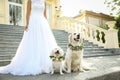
[
  {"x": 74, "y": 54},
  {"x": 57, "y": 57}
]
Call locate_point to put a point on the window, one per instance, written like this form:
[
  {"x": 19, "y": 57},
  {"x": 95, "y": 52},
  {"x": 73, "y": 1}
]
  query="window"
[
  {"x": 15, "y": 12},
  {"x": 16, "y": 1}
]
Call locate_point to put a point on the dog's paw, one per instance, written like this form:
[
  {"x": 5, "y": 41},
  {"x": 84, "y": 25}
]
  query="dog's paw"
[
  {"x": 61, "y": 73},
  {"x": 82, "y": 70},
  {"x": 68, "y": 71},
  {"x": 52, "y": 73}
]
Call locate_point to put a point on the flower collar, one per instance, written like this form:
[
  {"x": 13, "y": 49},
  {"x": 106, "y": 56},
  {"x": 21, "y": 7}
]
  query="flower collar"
[
  {"x": 57, "y": 58},
  {"x": 75, "y": 48}
]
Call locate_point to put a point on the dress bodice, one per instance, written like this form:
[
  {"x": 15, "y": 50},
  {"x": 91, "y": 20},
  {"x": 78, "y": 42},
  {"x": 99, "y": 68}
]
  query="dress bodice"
[{"x": 38, "y": 5}]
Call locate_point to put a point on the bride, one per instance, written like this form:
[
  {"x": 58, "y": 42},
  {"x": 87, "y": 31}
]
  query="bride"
[{"x": 32, "y": 55}]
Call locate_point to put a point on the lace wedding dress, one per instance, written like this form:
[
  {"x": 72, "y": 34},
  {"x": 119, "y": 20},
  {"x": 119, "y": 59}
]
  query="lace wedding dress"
[{"x": 32, "y": 56}]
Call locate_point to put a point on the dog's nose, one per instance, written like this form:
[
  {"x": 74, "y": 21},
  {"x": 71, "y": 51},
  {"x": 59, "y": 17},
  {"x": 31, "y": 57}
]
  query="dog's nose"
[
  {"x": 57, "y": 51},
  {"x": 78, "y": 36}
]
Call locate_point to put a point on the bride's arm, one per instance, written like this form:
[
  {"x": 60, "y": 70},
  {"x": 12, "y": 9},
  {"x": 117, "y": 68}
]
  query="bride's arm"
[
  {"x": 45, "y": 11},
  {"x": 28, "y": 14}
]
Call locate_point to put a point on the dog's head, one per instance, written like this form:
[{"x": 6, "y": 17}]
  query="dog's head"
[
  {"x": 75, "y": 39},
  {"x": 57, "y": 53}
]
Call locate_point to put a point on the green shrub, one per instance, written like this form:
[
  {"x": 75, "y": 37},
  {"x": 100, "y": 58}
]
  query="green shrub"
[
  {"x": 104, "y": 26},
  {"x": 117, "y": 26}
]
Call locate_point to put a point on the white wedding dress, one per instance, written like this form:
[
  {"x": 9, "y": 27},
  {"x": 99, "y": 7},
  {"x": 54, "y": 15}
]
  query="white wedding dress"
[{"x": 32, "y": 56}]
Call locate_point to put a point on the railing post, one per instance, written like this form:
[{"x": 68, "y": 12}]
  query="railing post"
[{"x": 111, "y": 36}]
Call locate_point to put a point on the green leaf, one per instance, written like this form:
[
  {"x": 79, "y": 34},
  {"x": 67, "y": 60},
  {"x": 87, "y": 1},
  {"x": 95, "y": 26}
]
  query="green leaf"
[
  {"x": 51, "y": 56},
  {"x": 115, "y": 0},
  {"x": 113, "y": 8},
  {"x": 118, "y": 4}
]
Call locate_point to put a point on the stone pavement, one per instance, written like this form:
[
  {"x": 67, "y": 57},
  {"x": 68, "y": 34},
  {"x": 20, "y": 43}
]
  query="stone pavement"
[{"x": 107, "y": 68}]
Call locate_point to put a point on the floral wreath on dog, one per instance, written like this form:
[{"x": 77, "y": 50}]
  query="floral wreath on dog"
[
  {"x": 57, "y": 58},
  {"x": 75, "y": 48}
]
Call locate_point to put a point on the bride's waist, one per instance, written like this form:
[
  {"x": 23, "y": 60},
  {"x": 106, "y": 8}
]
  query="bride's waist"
[
  {"x": 37, "y": 6},
  {"x": 37, "y": 11}
]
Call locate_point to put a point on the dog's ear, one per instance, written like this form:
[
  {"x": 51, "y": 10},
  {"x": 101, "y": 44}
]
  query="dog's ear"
[
  {"x": 70, "y": 38},
  {"x": 61, "y": 51},
  {"x": 81, "y": 40},
  {"x": 52, "y": 52}
]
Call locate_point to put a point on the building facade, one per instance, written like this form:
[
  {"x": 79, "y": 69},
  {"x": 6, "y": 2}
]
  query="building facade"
[
  {"x": 13, "y": 12},
  {"x": 93, "y": 18}
]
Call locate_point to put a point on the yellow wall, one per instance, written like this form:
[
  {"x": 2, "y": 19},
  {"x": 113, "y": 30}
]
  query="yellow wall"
[
  {"x": 24, "y": 11},
  {"x": 3, "y": 12},
  {"x": 94, "y": 21},
  {"x": 53, "y": 12}
]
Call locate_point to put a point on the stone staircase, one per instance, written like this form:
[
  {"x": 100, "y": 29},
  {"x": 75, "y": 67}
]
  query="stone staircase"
[{"x": 10, "y": 37}]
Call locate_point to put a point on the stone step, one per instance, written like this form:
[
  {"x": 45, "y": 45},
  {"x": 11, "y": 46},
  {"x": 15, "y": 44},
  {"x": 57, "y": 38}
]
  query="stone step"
[
  {"x": 4, "y": 62},
  {"x": 60, "y": 36},
  {"x": 100, "y": 54},
  {"x": 89, "y": 43},
  {"x": 10, "y": 40},
  {"x": 5, "y": 45},
  {"x": 7, "y": 52},
  {"x": 106, "y": 49},
  {"x": 92, "y": 52},
  {"x": 10, "y": 27},
  {"x": 92, "y": 47},
  {"x": 11, "y": 30},
  {"x": 6, "y": 56},
  {"x": 7, "y": 42},
  {"x": 10, "y": 37},
  {"x": 62, "y": 41},
  {"x": 11, "y": 34}
]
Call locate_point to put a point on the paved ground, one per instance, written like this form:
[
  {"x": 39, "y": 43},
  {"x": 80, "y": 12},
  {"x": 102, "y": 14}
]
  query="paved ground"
[{"x": 107, "y": 66}]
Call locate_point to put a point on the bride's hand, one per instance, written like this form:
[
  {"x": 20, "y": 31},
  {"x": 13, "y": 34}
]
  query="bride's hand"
[{"x": 26, "y": 28}]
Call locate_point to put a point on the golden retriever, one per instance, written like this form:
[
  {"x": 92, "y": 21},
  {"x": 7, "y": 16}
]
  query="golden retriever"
[{"x": 74, "y": 54}]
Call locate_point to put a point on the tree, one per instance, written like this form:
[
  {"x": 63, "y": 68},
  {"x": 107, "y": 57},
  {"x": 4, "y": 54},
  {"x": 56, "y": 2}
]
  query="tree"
[{"x": 114, "y": 5}]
